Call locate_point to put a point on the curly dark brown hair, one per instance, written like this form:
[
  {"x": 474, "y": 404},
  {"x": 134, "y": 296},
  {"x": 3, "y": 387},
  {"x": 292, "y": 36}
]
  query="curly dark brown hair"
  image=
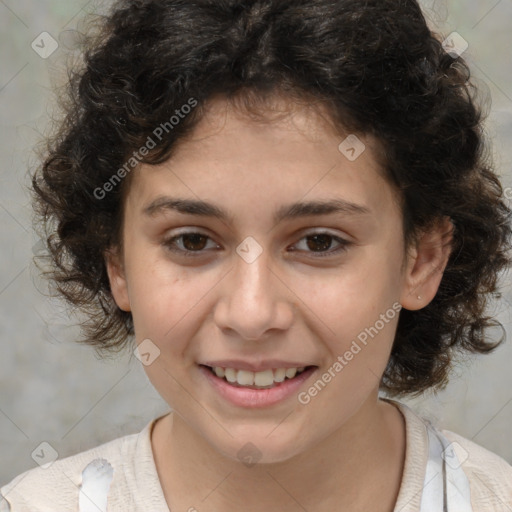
[{"x": 378, "y": 68}]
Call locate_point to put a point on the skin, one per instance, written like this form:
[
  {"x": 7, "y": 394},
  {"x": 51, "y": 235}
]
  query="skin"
[{"x": 344, "y": 450}]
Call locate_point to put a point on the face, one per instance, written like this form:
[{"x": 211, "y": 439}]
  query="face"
[{"x": 256, "y": 291}]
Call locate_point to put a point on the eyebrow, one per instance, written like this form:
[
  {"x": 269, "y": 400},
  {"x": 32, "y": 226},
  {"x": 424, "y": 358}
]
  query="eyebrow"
[{"x": 291, "y": 211}]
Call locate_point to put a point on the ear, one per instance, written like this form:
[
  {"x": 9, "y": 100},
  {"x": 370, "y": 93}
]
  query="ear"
[
  {"x": 425, "y": 265},
  {"x": 117, "y": 278}
]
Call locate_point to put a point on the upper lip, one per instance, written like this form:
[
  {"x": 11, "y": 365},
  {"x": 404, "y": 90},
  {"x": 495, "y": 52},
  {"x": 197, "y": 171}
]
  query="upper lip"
[{"x": 260, "y": 366}]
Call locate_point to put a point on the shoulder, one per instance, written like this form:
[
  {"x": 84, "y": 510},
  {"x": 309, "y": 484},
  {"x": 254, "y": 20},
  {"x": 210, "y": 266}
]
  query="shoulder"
[
  {"x": 57, "y": 486},
  {"x": 489, "y": 475}
]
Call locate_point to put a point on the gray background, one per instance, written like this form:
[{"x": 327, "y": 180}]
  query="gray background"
[{"x": 58, "y": 391}]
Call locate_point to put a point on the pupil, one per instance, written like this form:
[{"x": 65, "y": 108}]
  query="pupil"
[
  {"x": 194, "y": 238},
  {"x": 325, "y": 238}
]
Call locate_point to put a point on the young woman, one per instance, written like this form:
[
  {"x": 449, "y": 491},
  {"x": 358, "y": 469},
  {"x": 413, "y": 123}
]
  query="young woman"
[{"x": 285, "y": 207}]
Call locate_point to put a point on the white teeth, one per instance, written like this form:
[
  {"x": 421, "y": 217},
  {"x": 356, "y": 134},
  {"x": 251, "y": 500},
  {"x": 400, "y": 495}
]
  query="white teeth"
[
  {"x": 230, "y": 374},
  {"x": 279, "y": 374},
  {"x": 290, "y": 372},
  {"x": 263, "y": 379},
  {"x": 245, "y": 378}
]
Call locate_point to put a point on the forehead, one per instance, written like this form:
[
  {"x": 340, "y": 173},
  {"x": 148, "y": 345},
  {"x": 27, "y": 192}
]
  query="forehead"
[{"x": 279, "y": 155}]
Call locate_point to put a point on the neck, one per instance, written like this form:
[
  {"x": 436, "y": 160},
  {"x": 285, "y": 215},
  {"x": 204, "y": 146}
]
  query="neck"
[{"x": 359, "y": 466}]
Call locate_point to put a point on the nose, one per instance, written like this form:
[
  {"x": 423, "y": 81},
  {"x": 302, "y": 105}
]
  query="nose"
[{"x": 255, "y": 300}]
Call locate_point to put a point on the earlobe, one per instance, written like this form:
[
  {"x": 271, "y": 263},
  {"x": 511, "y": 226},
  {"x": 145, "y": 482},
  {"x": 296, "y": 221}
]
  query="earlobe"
[
  {"x": 117, "y": 279},
  {"x": 426, "y": 265}
]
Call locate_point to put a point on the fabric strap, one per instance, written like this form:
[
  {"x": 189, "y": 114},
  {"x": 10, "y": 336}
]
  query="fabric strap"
[{"x": 446, "y": 486}]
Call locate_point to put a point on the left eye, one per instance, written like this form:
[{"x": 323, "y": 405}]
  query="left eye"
[
  {"x": 193, "y": 243},
  {"x": 317, "y": 242}
]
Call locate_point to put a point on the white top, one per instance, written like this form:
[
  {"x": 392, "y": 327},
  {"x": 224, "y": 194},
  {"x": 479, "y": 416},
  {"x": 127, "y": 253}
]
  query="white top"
[{"x": 443, "y": 472}]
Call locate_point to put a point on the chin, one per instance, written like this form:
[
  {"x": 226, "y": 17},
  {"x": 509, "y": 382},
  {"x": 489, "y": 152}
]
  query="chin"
[{"x": 251, "y": 449}]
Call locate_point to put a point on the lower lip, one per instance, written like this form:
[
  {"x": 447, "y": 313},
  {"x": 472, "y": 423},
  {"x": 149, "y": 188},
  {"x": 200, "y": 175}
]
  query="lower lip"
[{"x": 247, "y": 397}]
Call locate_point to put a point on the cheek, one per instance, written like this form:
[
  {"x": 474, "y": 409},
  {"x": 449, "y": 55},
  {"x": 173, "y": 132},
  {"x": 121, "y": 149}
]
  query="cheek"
[
  {"x": 352, "y": 294},
  {"x": 355, "y": 308},
  {"x": 165, "y": 307},
  {"x": 167, "y": 303}
]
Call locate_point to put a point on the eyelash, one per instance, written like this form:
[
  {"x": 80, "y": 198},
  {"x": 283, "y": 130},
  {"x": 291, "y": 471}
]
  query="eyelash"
[{"x": 170, "y": 244}]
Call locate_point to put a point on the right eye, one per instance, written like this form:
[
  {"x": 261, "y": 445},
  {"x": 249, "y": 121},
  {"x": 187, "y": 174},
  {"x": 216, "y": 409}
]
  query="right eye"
[{"x": 193, "y": 243}]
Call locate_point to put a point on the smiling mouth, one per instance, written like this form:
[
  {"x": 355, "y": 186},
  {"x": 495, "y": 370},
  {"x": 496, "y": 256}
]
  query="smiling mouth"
[{"x": 266, "y": 379}]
